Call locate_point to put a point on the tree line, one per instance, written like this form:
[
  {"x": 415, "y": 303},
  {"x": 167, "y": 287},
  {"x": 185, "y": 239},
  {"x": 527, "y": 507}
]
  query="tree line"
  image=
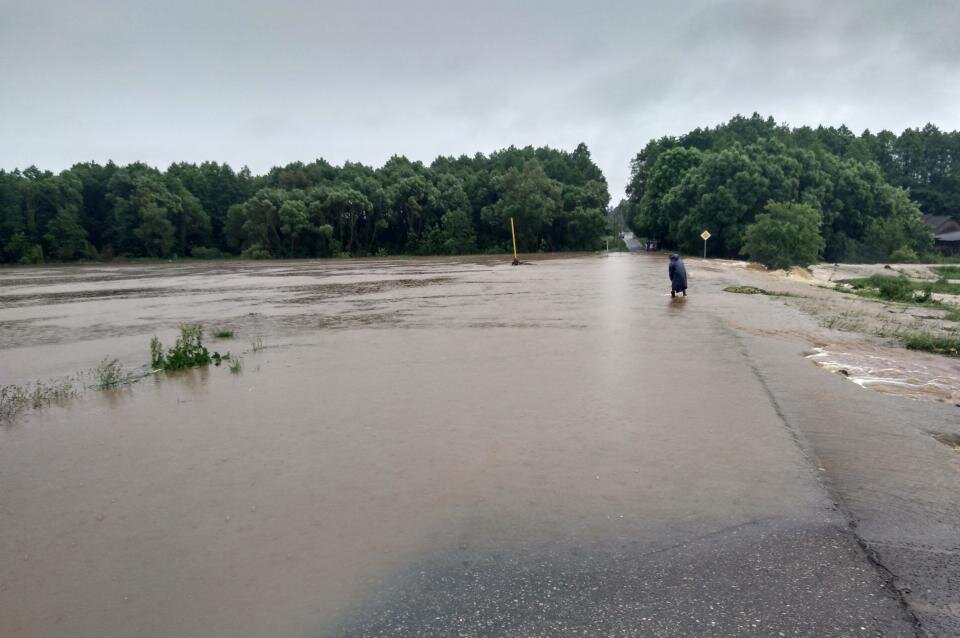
[
  {"x": 456, "y": 205},
  {"x": 795, "y": 195}
]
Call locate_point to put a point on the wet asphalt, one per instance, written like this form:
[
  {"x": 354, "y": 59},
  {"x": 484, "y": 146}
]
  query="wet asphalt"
[{"x": 760, "y": 579}]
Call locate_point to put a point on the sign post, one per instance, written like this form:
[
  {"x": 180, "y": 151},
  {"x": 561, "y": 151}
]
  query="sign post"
[
  {"x": 513, "y": 235},
  {"x": 706, "y": 235}
]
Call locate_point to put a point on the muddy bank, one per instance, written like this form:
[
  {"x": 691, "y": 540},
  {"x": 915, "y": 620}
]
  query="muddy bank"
[{"x": 860, "y": 338}]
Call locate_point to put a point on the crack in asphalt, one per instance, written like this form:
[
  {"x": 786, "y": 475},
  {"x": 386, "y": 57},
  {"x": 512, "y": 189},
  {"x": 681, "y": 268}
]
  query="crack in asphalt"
[{"x": 872, "y": 555}]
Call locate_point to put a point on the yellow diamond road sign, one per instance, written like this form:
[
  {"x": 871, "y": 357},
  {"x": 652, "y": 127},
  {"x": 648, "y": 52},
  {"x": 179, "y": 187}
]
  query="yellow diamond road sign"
[{"x": 705, "y": 234}]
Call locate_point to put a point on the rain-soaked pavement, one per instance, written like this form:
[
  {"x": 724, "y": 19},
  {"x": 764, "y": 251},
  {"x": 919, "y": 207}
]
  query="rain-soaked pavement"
[{"x": 460, "y": 447}]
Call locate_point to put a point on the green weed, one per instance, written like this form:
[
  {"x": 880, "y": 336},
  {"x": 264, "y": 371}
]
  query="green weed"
[
  {"x": 236, "y": 366},
  {"x": 187, "y": 352},
  {"x": 223, "y": 333}
]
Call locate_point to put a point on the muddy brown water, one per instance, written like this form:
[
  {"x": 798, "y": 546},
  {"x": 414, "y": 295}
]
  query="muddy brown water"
[{"x": 399, "y": 409}]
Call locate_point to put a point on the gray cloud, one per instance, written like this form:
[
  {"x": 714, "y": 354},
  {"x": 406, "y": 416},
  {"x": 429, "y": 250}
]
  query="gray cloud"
[{"x": 262, "y": 83}]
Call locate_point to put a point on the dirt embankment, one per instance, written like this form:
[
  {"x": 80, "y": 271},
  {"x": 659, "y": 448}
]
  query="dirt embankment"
[{"x": 863, "y": 338}]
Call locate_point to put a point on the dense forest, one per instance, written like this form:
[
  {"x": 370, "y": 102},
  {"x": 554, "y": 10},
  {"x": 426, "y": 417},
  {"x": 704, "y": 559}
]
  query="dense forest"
[
  {"x": 864, "y": 193},
  {"x": 454, "y": 206}
]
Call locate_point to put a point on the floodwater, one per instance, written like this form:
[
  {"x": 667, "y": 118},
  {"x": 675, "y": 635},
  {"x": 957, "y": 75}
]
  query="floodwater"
[
  {"x": 405, "y": 421},
  {"x": 881, "y": 369}
]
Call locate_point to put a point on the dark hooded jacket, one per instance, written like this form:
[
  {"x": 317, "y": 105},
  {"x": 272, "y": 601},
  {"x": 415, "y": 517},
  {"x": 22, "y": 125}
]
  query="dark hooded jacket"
[{"x": 678, "y": 274}]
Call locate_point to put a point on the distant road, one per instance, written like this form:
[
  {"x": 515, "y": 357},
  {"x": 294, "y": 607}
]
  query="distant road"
[{"x": 632, "y": 244}]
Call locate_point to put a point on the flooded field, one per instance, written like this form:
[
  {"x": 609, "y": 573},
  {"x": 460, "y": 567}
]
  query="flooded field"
[{"x": 409, "y": 428}]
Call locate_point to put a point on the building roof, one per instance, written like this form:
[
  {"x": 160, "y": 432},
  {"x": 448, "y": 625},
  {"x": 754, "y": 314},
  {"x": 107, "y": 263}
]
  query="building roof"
[
  {"x": 939, "y": 221},
  {"x": 949, "y": 237}
]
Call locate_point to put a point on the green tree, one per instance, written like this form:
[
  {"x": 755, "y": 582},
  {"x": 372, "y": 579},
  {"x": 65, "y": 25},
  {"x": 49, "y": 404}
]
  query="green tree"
[
  {"x": 458, "y": 237},
  {"x": 293, "y": 222},
  {"x": 532, "y": 199},
  {"x": 155, "y": 231},
  {"x": 785, "y": 235}
]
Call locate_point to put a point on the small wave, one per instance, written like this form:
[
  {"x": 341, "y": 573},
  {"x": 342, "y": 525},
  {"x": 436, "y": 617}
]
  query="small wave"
[{"x": 891, "y": 371}]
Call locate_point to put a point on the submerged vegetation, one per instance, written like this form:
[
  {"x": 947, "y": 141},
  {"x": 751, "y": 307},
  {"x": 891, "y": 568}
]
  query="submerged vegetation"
[
  {"x": 223, "y": 333},
  {"x": 109, "y": 374},
  {"x": 187, "y": 352},
  {"x": 15, "y": 399}
]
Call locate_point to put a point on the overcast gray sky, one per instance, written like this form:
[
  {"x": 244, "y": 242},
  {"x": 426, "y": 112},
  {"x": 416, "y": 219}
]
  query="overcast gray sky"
[{"x": 267, "y": 82}]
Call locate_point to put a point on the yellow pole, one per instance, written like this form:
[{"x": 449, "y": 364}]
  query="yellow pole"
[{"x": 513, "y": 234}]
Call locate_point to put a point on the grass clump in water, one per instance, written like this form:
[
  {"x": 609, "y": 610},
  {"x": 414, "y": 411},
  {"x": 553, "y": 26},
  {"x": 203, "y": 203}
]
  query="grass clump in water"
[
  {"x": 236, "y": 366},
  {"x": 109, "y": 374},
  {"x": 187, "y": 352},
  {"x": 15, "y": 399},
  {"x": 257, "y": 344},
  {"x": 223, "y": 333}
]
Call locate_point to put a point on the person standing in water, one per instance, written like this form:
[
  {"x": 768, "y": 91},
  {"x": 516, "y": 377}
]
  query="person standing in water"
[{"x": 678, "y": 276}]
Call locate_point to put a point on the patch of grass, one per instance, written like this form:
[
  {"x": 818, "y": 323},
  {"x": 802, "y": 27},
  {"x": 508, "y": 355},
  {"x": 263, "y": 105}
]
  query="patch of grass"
[
  {"x": 753, "y": 290},
  {"x": 109, "y": 374},
  {"x": 746, "y": 290},
  {"x": 223, "y": 333},
  {"x": 902, "y": 289},
  {"x": 946, "y": 345},
  {"x": 257, "y": 344},
  {"x": 844, "y": 323},
  {"x": 947, "y": 272},
  {"x": 236, "y": 366}
]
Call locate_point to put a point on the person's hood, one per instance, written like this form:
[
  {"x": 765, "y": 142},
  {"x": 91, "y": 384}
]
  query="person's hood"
[{"x": 674, "y": 257}]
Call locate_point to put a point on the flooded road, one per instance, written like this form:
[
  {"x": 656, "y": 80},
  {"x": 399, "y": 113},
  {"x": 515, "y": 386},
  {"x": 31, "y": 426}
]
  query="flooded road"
[{"x": 426, "y": 447}]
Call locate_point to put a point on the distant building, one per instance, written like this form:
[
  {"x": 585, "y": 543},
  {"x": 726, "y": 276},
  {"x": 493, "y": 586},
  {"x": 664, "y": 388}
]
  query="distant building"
[{"x": 946, "y": 233}]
